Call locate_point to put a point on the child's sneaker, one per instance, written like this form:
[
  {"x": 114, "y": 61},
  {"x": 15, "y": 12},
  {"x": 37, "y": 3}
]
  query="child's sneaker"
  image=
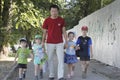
[{"x": 41, "y": 74}]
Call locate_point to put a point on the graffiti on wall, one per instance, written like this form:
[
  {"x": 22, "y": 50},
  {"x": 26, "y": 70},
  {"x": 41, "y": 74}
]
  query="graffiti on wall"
[{"x": 111, "y": 31}]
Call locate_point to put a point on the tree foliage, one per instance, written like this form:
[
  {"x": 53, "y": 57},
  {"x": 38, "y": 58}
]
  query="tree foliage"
[
  {"x": 78, "y": 9},
  {"x": 24, "y": 18}
]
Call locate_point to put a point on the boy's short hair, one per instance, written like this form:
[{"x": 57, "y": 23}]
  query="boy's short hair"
[
  {"x": 71, "y": 33},
  {"x": 54, "y": 6}
]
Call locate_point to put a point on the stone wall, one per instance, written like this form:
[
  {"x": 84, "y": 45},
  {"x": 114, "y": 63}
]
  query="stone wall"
[{"x": 104, "y": 28}]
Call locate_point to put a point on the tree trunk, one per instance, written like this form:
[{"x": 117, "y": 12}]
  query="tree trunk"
[
  {"x": 0, "y": 8},
  {"x": 6, "y": 11},
  {"x": 28, "y": 36},
  {"x": 5, "y": 20}
]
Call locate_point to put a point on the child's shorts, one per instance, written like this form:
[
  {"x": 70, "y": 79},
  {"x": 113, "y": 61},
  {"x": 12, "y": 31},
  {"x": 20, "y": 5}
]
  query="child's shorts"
[
  {"x": 37, "y": 60},
  {"x": 86, "y": 58},
  {"x": 22, "y": 66}
]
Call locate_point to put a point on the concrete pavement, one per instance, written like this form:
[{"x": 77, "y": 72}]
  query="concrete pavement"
[{"x": 92, "y": 74}]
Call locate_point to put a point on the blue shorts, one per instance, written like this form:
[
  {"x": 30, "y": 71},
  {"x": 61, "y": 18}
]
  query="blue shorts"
[{"x": 37, "y": 60}]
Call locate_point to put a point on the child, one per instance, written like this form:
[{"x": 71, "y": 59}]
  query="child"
[
  {"x": 22, "y": 55},
  {"x": 39, "y": 56},
  {"x": 84, "y": 45},
  {"x": 70, "y": 57}
]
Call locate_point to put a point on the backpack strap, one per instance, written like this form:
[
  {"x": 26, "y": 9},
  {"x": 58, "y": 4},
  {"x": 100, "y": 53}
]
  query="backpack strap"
[{"x": 82, "y": 39}]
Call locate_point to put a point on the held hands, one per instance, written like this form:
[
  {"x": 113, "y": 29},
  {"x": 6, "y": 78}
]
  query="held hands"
[
  {"x": 77, "y": 48},
  {"x": 43, "y": 50},
  {"x": 31, "y": 60},
  {"x": 65, "y": 45},
  {"x": 43, "y": 44}
]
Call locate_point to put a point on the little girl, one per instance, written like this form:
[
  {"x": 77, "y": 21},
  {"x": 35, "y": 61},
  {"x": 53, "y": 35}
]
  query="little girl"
[
  {"x": 39, "y": 56},
  {"x": 70, "y": 56}
]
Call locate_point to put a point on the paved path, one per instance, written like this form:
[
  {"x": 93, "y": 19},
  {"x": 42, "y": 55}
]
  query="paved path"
[{"x": 92, "y": 75}]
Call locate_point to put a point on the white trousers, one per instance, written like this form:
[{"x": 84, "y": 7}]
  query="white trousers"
[{"x": 60, "y": 56}]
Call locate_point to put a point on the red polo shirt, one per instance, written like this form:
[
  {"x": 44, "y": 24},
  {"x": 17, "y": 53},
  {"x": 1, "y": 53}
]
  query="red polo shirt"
[{"x": 54, "y": 28}]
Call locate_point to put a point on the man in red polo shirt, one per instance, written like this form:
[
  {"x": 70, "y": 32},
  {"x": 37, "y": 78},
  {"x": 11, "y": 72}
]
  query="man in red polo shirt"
[{"x": 54, "y": 28}]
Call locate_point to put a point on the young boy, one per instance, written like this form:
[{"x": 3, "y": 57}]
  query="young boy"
[
  {"x": 84, "y": 45},
  {"x": 22, "y": 55}
]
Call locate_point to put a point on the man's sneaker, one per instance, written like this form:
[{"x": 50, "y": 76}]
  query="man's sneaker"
[
  {"x": 51, "y": 78},
  {"x": 83, "y": 75},
  {"x": 62, "y": 79},
  {"x": 41, "y": 74},
  {"x": 36, "y": 78}
]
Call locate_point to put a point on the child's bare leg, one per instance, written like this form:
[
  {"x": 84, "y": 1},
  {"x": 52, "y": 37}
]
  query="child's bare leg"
[
  {"x": 20, "y": 72},
  {"x": 41, "y": 72},
  {"x": 73, "y": 68},
  {"x": 24, "y": 73},
  {"x": 40, "y": 67},
  {"x": 83, "y": 66},
  {"x": 69, "y": 70},
  {"x": 87, "y": 65},
  {"x": 24, "y": 70},
  {"x": 36, "y": 70}
]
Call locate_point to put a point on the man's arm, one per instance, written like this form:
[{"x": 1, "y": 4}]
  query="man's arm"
[
  {"x": 44, "y": 37},
  {"x": 65, "y": 36}
]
